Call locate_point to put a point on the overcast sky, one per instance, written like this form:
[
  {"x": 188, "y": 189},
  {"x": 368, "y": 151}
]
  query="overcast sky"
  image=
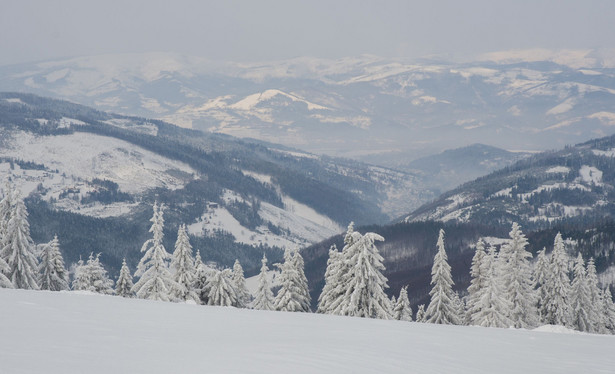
[{"x": 253, "y": 30}]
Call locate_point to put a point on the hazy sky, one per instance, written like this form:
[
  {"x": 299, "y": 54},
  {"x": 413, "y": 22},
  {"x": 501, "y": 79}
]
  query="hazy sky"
[{"x": 270, "y": 29}]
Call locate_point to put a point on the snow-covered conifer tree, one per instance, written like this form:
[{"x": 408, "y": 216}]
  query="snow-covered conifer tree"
[
  {"x": 555, "y": 291},
  {"x": 92, "y": 276},
  {"x": 516, "y": 274},
  {"x": 580, "y": 298},
  {"x": 221, "y": 289},
  {"x": 156, "y": 282},
  {"x": 6, "y": 205},
  {"x": 442, "y": 308},
  {"x": 264, "y": 299},
  {"x": 364, "y": 282},
  {"x": 182, "y": 265},
  {"x": 52, "y": 273},
  {"x": 302, "y": 284},
  {"x": 595, "y": 306},
  {"x": 491, "y": 307},
  {"x": 608, "y": 310},
  {"x": 420, "y": 314},
  {"x": 331, "y": 290},
  {"x": 477, "y": 282},
  {"x": 200, "y": 279},
  {"x": 402, "y": 310},
  {"x": 123, "y": 286},
  {"x": 292, "y": 296},
  {"x": 541, "y": 274},
  {"x": 18, "y": 248},
  {"x": 243, "y": 295}
]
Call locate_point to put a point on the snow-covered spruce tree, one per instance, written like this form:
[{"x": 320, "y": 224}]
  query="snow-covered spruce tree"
[
  {"x": 92, "y": 277},
  {"x": 402, "y": 310},
  {"x": 200, "y": 279},
  {"x": 156, "y": 281},
  {"x": 516, "y": 275},
  {"x": 18, "y": 248},
  {"x": 6, "y": 205},
  {"x": 123, "y": 286},
  {"x": 364, "y": 281},
  {"x": 491, "y": 308},
  {"x": 52, "y": 273},
  {"x": 304, "y": 291},
  {"x": 477, "y": 281},
  {"x": 442, "y": 308},
  {"x": 264, "y": 299},
  {"x": 221, "y": 289},
  {"x": 182, "y": 265},
  {"x": 595, "y": 306},
  {"x": 243, "y": 295},
  {"x": 332, "y": 279},
  {"x": 4, "y": 269},
  {"x": 293, "y": 295},
  {"x": 608, "y": 310},
  {"x": 541, "y": 274},
  {"x": 555, "y": 305},
  {"x": 580, "y": 298},
  {"x": 420, "y": 314}
]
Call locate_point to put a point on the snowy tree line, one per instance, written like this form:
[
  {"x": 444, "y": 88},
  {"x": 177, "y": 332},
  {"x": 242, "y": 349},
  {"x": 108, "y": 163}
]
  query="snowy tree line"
[{"x": 506, "y": 288}]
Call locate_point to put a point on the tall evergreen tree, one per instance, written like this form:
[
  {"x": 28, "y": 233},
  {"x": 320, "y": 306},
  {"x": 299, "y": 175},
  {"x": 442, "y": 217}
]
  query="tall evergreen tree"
[
  {"x": 123, "y": 286},
  {"x": 364, "y": 281},
  {"x": 264, "y": 296},
  {"x": 330, "y": 291},
  {"x": 52, "y": 273},
  {"x": 516, "y": 273},
  {"x": 477, "y": 282},
  {"x": 221, "y": 289},
  {"x": 182, "y": 265},
  {"x": 302, "y": 284},
  {"x": 492, "y": 307},
  {"x": 292, "y": 296},
  {"x": 542, "y": 269},
  {"x": 6, "y": 205},
  {"x": 608, "y": 310},
  {"x": 595, "y": 296},
  {"x": 442, "y": 308},
  {"x": 92, "y": 277},
  {"x": 402, "y": 310},
  {"x": 243, "y": 295},
  {"x": 555, "y": 305},
  {"x": 333, "y": 296},
  {"x": 156, "y": 282},
  {"x": 18, "y": 249},
  {"x": 580, "y": 298}
]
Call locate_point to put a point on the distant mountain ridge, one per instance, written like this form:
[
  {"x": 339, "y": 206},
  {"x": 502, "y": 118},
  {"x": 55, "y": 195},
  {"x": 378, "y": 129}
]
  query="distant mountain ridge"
[{"x": 364, "y": 107}]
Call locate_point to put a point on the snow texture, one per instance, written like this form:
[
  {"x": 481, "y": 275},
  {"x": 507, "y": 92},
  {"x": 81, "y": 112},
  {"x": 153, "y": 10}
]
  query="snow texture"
[{"x": 70, "y": 332}]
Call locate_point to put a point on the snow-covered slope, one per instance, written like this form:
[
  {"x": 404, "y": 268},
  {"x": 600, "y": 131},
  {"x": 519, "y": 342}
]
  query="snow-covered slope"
[{"x": 84, "y": 333}]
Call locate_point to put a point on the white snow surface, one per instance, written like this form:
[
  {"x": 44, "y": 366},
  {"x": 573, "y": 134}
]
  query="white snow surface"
[
  {"x": 69, "y": 332},
  {"x": 591, "y": 174}
]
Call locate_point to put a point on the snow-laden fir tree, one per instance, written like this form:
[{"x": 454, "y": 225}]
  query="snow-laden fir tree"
[
  {"x": 477, "y": 282},
  {"x": 491, "y": 307},
  {"x": 331, "y": 290},
  {"x": 4, "y": 269},
  {"x": 516, "y": 275},
  {"x": 200, "y": 279},
  {"x": 123, "y": 286},
  {"x": 92, "y": 277},
  {"x": 302, "y": 283},
  {"x": 293, "y": 295},
  {"x": 52, "y": 272},
  {"x": 182, "y": 265},
  {"x": 580, "y": 298},
  {"x": 460, "y": 307},
  {"x": 442, "y": 308},
  {"x": 541, "y": 274},
  {"x": 156, "y": 281},
  {"x": 6, "y": 205},
  {"x": 420, "y": 314},
  {"x": 595, "y": 306},
  {"x": 221, "y": 289},
  {"x": 243, "y": 295},
  {"x": 364, "y": 282},
  {"x": 264, "y": 299},
  {"x": 555, "y": 291},
  {"x": 18, "y": 248},
  {"x": 402, "y": 310},
  {"x": 608, "y": 310}
]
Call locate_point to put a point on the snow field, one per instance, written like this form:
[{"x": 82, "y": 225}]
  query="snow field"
[{"x": 77, "y": 332}]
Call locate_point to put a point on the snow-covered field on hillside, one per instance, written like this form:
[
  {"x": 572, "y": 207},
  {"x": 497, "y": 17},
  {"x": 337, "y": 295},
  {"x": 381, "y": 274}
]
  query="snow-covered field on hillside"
[{"x": 68, "y": 332}]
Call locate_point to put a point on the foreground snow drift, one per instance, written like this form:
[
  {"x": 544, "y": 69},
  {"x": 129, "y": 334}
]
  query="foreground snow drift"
[{"x": 67, "y": 332}]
